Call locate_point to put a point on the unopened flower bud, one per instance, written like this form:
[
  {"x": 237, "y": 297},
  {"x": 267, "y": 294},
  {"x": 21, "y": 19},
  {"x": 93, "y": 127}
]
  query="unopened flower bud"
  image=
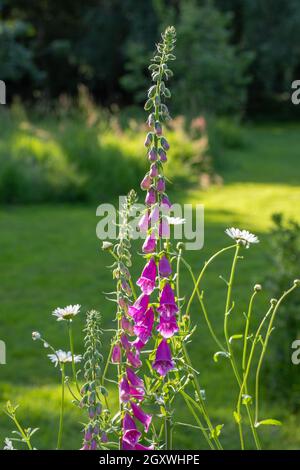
[
  {"x": 297, "y": 282},
  {"x": 104, "y": 437},
  {"x": 146, "y": 182},
  {"x": 273, "y": 302},
  {"x": 36, "y": 335},
  {"x": 93, "y": 444},
  {"x": 92, "y": 412},
  {"x": 98, "y": 409},
  {"x": 257, "y": 288},
  {"x": 161, "y": 185},
  {"x": 150, "y": 120},
  {"x": 116, "y": 354},
  {"x": 152, "y": 155},
  {"x": 153, "y": 171},
  {"x": 148, "y": 139},
  {"x": 158, "y": 128},
  {"x": 164, "y": 143},
  {"x": 162, "y": 155}
]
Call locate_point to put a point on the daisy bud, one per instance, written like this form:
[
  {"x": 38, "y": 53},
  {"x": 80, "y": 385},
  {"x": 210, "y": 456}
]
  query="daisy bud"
[
  {"x": 36, "y": 335},
  {"x": 146, "y": 182},
  {"x": 164, "y": 143},
  {"x": 273, "y": 302},
  {"x": 297, "y": 282},
  {"x": 162, "y": 155},
  {"x": 148, "y": 140},
  {"x": 158, "y": 128},
  {"x": 257, "y": 288},
  {"x": 152, "y": 155},
  {"x": 153, "y": 171}
]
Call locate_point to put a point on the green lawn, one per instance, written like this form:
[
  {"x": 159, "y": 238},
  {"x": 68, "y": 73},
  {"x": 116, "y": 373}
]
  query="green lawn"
[{"x": 50, "y": 257}]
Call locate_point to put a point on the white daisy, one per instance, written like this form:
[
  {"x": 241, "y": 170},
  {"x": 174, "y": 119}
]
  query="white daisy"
[
  {"x": 8, "y": 444},
  {"x": 66, "y": 313},
  {"x": 242, "y": 236},
  {"x": 63, "y": 357}
]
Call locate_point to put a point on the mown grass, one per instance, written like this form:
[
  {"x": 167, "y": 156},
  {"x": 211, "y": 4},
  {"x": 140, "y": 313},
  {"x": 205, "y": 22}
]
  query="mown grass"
[{"x": 50, "y": 257}]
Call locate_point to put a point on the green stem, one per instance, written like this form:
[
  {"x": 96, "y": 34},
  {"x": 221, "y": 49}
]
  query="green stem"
[
  {"x": 247, "y": 330},
  {"x": 23, "y": 433},
  {"x": 197, "y": 419},
  {"x": 61, "y": 418},
  {"x": 264, "y": 348},
  {"x": 73, "y": 355}
]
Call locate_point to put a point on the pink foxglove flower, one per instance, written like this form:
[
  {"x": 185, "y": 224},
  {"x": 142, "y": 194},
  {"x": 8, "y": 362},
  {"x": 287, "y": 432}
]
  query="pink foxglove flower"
[
  {"x": 133, "y": 379},
  {"x": 161, "y": 185},
  {"x": 127, "y": 392},
  {"x": 149, "y": 245},
  {"x": 137, "y": 310},
  {"x": 144, "y": 222},
  {"x": 164, "y": 267},
  {"x": 147, "y": 280},
  {"x": 127, "y": 326},
  {"x": 125, "y": 342},
  {"x": 163, "y": 360},
  {"x": 131, "y": 435},
  {"x": 116, "y": 354},
  {"x": 153, "y": 170},
  {"x": 143, "y": 328},
  {"x": 146, "y": 182},
  {"x": 154, "y": 216},
  {"x": 165, "y": 202},
  {"x": 164, "y": 229},
  {"x": 167, "y": 305},
  {"x": 143, "y": 417},
  {"x": 150, "y": 197},
  {"x": 167, "y": 326},
  {"x": 133, "y": 359}
]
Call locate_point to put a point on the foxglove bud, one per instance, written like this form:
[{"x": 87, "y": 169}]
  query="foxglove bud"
[
  {"x": 152, "y": 155},
  {"x": 93, "y": 445},
  {"x": 148, "y": 140},
  {"x": 164, "y": 143},
  {"x": 158, "y": 128},
  {"x": 146, "y": 182},
  {"x": 153, "y": 171},
  {"x": 126, "y": 287},
  {"x": 99, "y": 409},
  {"x": 161, "y": 185},
  {"x": 151, "y": 120},
  {"x": 92, "y": 412},
  {"x": 150, "y": 197},
  {"x": 162, "y": 155},
  {"x": 116, "y": 354},
  {"x": 104, "y": 437}
]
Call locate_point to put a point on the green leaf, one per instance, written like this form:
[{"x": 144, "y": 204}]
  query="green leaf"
[
  {"x": 220, "y": 353},
  {"x": 148, "y": 105},
  {"x": 235, "y": 337},
  {"x": 216, "y": 431},
  {"x": 269, "y": 422}
]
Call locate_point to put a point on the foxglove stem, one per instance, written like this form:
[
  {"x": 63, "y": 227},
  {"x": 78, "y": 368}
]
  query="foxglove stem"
[
  {"x": 62, "y": 405},
  {"x": 264, "y": 348},
  {"x": 72, "y": 352}
]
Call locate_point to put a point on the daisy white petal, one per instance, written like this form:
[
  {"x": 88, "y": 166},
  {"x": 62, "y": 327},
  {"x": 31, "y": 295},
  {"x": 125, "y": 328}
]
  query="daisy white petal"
[
  {"x": 243, "y": 237},
  {"x": 67, "y": 313},
  {"x": 63, "y": 357}
]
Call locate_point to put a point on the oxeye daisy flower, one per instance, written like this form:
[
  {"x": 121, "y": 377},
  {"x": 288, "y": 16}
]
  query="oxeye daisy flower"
[
  {"x": 8, "y": 445},
  {"x": 244, "y": 237},
  {"x": 67, "y": 313},
  {"x": 63, "y": 357}
]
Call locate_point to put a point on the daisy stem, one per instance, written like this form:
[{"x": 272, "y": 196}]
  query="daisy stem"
[
  {"x": 61, "y": 419},
  {"x": 264, "y": 348}
]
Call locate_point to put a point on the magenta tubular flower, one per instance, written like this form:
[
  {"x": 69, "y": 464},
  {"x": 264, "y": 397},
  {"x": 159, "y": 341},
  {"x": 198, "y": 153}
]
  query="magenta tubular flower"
[
  {"x": 153, "y": 171},
  {"x": 150, "y": 197},
  {"x": 149, "y": 245},
  {"x": 163, "y": 360},
  {"x": 164, "y": 267},
  {"x": 144, "y": 222},
  {"x": 167, "y": 326},
  {"x": 138, "y": 344},
  {"x": 131, "y": 435},
  {"x": 141, "y": 447},
  {"x": 147, "y": 279},
  {"x": 154, "y": 216},
  {"x": 164, "y": 229},
  {"x": 116, "y": 354},
  {"x": 127, "y": 392},
  {"x": 133, "y": 379},
  {"x": 139, "y": 307},
  {"x": 161, "y": 185},
  {"x": 167, "y": 304},
  {"x": 158, "y": 128},
  {"x": 143, "y": 417},
  {"x": 94, "y": 445},
  {"x": 125, "y": 342},
  {"x": 143, "y": 328},
  {"x": 133, "y": 359},
  {"x": 146, "y": 182}
]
